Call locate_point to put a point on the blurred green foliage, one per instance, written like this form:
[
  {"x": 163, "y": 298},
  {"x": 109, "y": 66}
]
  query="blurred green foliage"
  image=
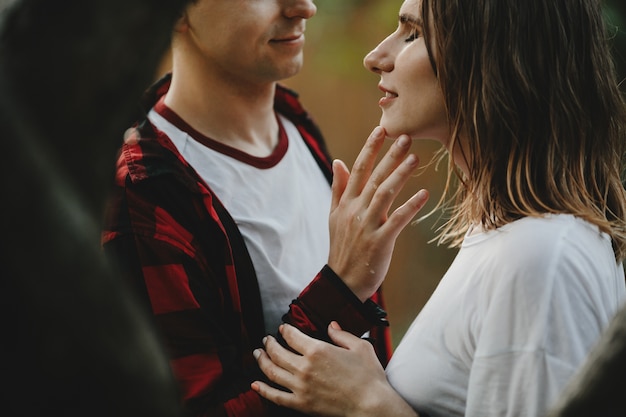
[
  {"x": 616, "y": 16},
  {"x": 339, "y": 20},
  {"x": 346, "y": 30}
]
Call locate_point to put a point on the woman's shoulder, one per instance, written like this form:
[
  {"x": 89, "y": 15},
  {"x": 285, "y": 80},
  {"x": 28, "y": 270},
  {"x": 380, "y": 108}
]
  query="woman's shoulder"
[
  {"x": 546, "y": 236},
  {"x": 537, "y": 251}
]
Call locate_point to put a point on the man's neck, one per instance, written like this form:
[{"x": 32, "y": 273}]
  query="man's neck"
[{"x": 238, "y": 115}]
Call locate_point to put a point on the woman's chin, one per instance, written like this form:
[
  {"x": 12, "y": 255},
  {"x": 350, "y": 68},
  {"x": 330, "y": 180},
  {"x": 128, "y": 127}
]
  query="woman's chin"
[
  {"x": 390, "y": 132},
  {"x": 393, "y": 134}
]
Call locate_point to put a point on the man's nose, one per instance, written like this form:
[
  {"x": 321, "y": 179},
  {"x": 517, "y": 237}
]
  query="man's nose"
[{"x": 304, "y": 9}]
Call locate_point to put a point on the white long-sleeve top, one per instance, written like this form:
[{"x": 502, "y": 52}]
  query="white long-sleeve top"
[{"x": 511, "y": 321}]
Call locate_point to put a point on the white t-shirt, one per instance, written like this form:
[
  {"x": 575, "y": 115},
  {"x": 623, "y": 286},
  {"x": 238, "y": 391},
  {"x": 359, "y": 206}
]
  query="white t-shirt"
[
  {"x": 511, "y": 320},
  {"x": 280, "y": 204}
]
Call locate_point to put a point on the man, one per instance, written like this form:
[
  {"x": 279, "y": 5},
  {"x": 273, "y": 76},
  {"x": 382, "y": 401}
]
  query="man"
[{"x": 220, "y": 212}]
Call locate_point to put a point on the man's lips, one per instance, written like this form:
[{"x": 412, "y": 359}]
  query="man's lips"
[{"x": 289, "y": 38}]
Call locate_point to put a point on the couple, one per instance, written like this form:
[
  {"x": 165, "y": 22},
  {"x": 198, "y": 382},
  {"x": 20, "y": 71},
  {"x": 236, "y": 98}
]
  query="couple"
[{"x": 523, "y": 98}]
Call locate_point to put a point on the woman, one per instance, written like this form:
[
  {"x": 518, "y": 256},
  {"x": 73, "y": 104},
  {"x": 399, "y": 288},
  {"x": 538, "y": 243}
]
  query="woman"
[{"x": 523, "y": 97}]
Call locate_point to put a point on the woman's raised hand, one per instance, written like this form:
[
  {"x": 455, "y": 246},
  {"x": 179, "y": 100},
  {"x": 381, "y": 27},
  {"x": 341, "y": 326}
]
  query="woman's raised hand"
[{"x": 362, "y": 233}]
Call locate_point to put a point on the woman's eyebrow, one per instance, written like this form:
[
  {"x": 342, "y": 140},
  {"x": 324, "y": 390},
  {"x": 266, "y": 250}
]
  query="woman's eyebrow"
[{"x": 407, "y": 19}]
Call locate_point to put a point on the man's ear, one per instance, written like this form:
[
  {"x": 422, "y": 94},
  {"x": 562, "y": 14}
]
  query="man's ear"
[{"x": 182, "y": 23}]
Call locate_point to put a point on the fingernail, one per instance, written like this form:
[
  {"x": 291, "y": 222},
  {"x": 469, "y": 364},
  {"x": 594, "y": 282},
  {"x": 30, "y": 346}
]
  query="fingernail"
[
  {"x": 411, "y": 160},
  {"x": 264, "y": 340},
  {"x": 378, "y": 131},
  {"x": 256, "y": 353},
  {"x": 403, "y": 141}
]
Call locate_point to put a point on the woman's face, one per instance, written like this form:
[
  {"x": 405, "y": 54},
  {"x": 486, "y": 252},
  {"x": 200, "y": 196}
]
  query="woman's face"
[{"x": 413, "y": 103}]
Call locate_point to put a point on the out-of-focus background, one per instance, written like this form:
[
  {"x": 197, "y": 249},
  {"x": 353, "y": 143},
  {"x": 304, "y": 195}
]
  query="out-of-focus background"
[{"x": 343, "y": 98}]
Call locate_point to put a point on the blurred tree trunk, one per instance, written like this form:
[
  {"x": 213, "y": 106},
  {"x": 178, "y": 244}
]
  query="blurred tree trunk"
[
  {"x": 75, "y": 342},
  {"x": 599, "y": 387}
]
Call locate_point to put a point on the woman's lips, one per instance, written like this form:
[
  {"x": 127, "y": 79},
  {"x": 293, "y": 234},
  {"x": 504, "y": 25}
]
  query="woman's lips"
[{"x": 389, "y": 97}]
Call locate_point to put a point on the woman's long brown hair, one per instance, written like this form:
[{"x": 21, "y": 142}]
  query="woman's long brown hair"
[{"x": 531, "y": 87}]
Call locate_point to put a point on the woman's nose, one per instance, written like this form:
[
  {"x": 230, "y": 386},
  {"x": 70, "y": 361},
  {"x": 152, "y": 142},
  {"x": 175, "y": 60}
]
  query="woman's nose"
[{"x": 379, "y": 59}]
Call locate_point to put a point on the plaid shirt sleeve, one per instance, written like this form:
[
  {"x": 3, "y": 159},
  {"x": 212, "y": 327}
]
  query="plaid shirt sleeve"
[
  {"x": 166, "y": 240},
  {"x": 326, "y": 299}
]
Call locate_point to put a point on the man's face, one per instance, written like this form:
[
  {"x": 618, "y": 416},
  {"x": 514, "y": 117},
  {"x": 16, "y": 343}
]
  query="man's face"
[{"x": 249, "y": 40}]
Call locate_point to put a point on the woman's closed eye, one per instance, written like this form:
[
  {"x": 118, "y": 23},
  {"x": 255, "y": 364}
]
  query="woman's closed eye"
[
  {"x": 411, "y": 25},
  {"x": 414, "y": 35}
]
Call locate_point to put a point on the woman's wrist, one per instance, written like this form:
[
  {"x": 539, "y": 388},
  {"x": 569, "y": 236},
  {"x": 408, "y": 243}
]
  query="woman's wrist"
[{"x": 383, "y": 400}]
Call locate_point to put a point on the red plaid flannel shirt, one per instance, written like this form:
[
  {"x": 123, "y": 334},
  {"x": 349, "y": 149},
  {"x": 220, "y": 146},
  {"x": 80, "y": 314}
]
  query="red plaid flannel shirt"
[{"x": 183, "y": 254}]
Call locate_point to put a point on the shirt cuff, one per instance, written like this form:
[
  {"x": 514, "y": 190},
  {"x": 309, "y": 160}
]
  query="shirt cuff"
[{"x": 328, "y": 298}]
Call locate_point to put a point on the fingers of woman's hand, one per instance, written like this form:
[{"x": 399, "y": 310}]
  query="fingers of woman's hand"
[
  {"x": 277, "y": 396},
  {"x": 344, "y": 339},
  {"x": 282, "y": 356},
  {"x": 296, "y": 373},
  {"x": 296, "y": 339},
  {"x": 327, "y": 380},
  {"x": 276, "y": 362},
  {"x": 277, "y": 375}
]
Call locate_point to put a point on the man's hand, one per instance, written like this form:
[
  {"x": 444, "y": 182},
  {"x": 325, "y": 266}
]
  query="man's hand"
[{"x": 362, "y": 234}]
